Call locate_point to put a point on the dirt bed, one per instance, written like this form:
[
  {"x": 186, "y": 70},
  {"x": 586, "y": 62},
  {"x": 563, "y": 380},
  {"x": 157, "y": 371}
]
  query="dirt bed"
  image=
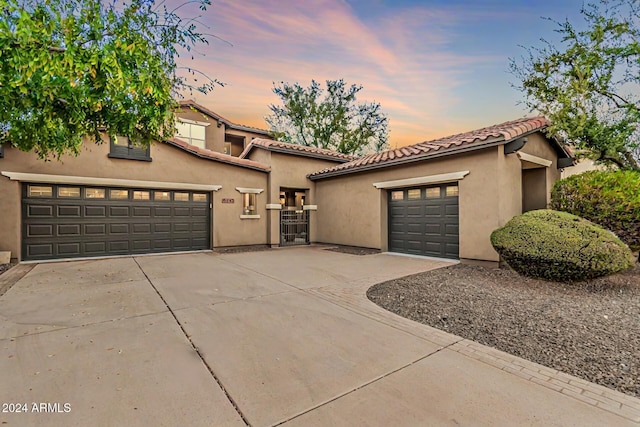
[
  {"x": 589, "y": 329},
  {"x": 353, "y": 250}
]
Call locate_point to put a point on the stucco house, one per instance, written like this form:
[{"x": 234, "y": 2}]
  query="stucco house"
[{"x": 234, "y": 186}]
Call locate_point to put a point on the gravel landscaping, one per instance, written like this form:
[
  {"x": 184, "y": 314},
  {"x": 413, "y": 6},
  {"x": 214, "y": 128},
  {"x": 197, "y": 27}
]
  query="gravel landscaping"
[
  {"x": 5, "y": 267},
  {"x": 587, "y": 329}
]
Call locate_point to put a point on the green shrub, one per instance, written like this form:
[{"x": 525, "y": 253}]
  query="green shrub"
[
  {"x": 608, "y": 198},
  {"x": 556, "y": 245}
]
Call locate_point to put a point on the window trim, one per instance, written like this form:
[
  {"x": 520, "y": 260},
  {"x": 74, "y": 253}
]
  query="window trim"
[
  {"x": 422, "y": 180},
  {"x": 130, "y": 152},
  {"x": 189, "y": 139},
  {"x": 243, "y": 191}
]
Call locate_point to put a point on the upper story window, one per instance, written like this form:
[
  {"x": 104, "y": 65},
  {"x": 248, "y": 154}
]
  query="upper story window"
[
  {"x": 191, "y": 132},
  {"x": 233, "y": 144},
  {"x": 123, "y": 148}
]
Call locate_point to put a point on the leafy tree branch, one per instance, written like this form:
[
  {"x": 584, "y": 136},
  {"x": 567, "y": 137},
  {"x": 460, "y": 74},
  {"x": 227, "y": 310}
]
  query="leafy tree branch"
[
  {"x": 589, "y": 86},
  {"x": 334, "y": 121},
  {"x": 73, "y": 69}
]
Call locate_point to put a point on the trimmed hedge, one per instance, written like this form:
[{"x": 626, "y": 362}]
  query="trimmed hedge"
[
  {"x": 608, "y": 198},
  {"x": 556, "y": 245}
]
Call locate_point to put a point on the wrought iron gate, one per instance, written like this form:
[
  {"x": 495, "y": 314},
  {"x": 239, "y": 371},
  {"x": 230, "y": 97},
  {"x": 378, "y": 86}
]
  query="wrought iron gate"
[{"x": 294, "y": 228}]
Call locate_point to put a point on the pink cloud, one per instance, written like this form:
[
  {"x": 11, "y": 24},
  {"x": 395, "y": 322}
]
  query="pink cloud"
[{"x": 402, "y": 60}]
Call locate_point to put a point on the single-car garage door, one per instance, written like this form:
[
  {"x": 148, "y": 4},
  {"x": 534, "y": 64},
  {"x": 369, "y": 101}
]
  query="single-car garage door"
[
  {"x": 63, "y": 221},
  {"x": 424, "y": 221}
]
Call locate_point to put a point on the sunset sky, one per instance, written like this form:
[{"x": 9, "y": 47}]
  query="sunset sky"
[{"x": 436, "y": 67}]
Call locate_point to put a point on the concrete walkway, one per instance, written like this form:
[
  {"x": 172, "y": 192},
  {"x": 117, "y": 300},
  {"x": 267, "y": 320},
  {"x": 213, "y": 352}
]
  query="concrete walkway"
[{"x": 282, "y": 337}]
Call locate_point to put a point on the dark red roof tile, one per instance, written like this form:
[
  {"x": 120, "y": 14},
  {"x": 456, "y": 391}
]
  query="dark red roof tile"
[
  {"x": 295, "y": 149},
  {"x": 219, "y": 157},
  {"x": 501, "y": 132}
]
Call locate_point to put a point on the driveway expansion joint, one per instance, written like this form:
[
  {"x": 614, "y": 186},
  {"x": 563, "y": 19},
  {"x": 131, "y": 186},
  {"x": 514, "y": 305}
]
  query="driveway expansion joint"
[
  {"x": 366, "y": 384},
  {"x": 620, "y": 404},
  {"x": 58, "y": 328},
  {"x": 196, "y": 349}
]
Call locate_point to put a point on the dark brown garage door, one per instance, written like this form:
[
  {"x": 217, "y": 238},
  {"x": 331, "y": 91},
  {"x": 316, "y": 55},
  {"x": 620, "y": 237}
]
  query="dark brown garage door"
[
  {"x": 62, "y": 221},
  {"x": 424, "y": 221}
]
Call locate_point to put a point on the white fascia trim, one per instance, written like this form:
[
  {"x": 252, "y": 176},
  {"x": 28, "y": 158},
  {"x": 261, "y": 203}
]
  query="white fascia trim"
[
  {"x": 193, "y": 122},
  {"x": 274, "y": 206},
  {"x": 250, "y": 190},
  {"x": 249, "y": 216},
  {"x": 106, "y": 182},
  {"x": 422, "y": 180},
  {"x": 524, "y": 157},
  {"x": 310, "y": 207}
]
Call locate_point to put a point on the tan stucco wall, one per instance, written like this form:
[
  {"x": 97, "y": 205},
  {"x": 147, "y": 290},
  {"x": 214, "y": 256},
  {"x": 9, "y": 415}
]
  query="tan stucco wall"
[
  {"x": 169, "y": 165},
  {"x": 290, "y": 171},
  {"x": 355, "y": 213},
  {"x": 538, "y": 146},
  {"x": 582, "y": 166}
]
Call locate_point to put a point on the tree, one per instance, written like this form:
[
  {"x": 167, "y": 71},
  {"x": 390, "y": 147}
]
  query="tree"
[
  {"x": 335, "y": 122},
  {"x": 589, "y": 87},
  {"x": 71, "y": 69}
]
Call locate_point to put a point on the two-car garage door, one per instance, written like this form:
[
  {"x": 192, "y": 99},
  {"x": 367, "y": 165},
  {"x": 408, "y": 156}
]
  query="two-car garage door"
[
  {"x": 424, "y": 221},
  {"x": 64, "y": 221}
]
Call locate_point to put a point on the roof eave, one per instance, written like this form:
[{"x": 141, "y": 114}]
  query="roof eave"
[
  {"x": 408, "y": 160},
  {"x": 216, "y": 159},
  {"x": 295, "y": 153},
  {"x": 248, "y": 129},
  {"x": 493, "y": 143}
]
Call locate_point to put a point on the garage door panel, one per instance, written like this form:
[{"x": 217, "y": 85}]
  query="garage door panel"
[
  {"x": 95, "y": 229},
  {"x": 182, "y": 211},
  {"x": 199, "y": 212},
  {"x": 451, "y": 210},
  {"x": 200, "y": 241},
  {"x": 40, "y": 230},
  {"x": 118, "y": 246},
  {"x": 56, "y": 227},
  {"x": 183, "y": 243},
  {"x": 162, "y": 228},
  {"x": 433, "y": 211},
  {"x": 40, "y": 211},
  {"x": 141, "y": 245},
  {"x": 415, "y": 228},
  {"x": 68, "y": 229},
  {"x": 68, "y": 249},
  {"x": 451, "y": 230},
  {"x": 95, "y": 248},
  {"x": 162, "y": 211},
  {"x": 426, "y": 226},
  {"x": 118, "y": 211},
  {"x": 141, "y": 228},
  {"x": 69, "y": 211},
  {"x": 42, "y": 249},
  {"x": 181, "y": 227},
  {"x": 199, "y": 227},
  {"x": 118, "y": 228},
  {"x": 141, "y": 211},
  {"x": 162, "y": 245}
]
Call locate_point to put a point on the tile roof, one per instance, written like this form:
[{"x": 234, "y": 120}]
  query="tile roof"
[
  {"x": 218, "y": 157},
  {"x": 296, "y": 149},
  {"x": 497, "y": 134},
  {"x": 189, "y": 103}
]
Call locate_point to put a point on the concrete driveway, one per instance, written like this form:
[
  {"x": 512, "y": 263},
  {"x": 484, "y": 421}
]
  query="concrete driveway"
[{"x": 282, "y": 337}]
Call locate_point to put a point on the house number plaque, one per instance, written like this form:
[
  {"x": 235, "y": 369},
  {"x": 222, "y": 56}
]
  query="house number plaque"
[{"x": 228, "y": 200}]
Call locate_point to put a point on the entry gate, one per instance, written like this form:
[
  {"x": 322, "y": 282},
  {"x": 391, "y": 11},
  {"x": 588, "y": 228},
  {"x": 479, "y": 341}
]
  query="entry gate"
[{"x": 294, "y": 228}]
